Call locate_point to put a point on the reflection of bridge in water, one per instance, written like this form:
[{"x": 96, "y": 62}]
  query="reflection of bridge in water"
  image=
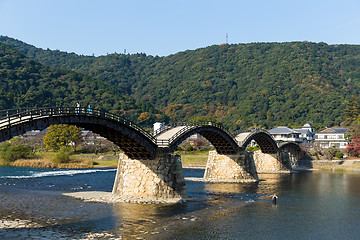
[{"x": 148, "y": 167}]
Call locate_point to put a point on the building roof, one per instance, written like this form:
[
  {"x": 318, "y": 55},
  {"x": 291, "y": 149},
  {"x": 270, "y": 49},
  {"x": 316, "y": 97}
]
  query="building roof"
[
  {"x": 282, "y": 130},
  {"x": 303, "y": 131},
  {"x": 307, "y": 125},
  {"x": 333, "y": 130}
]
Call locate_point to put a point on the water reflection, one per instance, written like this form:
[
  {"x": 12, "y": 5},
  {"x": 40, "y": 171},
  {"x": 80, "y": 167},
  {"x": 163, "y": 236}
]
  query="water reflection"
[
  {"x": 138, "y": 220},
  {"x": 311, "y": 206},
  {"x": 269, "y": 184}
]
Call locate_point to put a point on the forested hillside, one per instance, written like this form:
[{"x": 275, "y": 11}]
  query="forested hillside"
[
  {"x": 242, "y": 85},
  {"x": 26, "y": 83}
]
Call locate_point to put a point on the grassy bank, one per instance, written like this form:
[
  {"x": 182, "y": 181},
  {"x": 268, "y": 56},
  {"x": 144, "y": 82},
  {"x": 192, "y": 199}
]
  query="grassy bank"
[
  {"x": 44, "y": 160},
  {"x": 188, "y": 158},
  {"x": 193, "y": 158},
  {"x": 349, "y": 165}
]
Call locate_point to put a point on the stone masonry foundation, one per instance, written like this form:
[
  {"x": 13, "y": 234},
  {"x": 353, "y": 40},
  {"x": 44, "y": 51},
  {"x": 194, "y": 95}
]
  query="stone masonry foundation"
[
  {"x": 230, "y": 168},
  {"x": 272, "y": 163},
  {"x": 155, "y": 180}
]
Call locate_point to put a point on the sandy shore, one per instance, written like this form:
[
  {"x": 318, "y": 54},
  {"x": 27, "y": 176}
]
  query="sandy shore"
[{"x": 107, "y": 197}]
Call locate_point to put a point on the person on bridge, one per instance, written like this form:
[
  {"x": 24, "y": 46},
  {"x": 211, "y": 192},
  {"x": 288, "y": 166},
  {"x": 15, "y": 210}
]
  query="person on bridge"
[
  {"x": 77, "y": 110},
  {"x": 89, "y": 109},
  {"x": 274, "y": 198}
]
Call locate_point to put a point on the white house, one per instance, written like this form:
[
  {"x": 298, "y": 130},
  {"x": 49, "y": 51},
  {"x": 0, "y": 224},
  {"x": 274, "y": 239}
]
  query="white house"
[
  {"x": 285, "y": 134},
  {"x": 331, "y": 137},
  {"x": 307, "y": 132},
  {"x": 304, "y": 134}
]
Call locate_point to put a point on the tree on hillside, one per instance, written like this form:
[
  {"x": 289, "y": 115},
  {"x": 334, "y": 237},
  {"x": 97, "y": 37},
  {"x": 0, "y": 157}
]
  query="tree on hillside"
[
  {"x": 269, "y": 84},
  {"x": 204, "y": 119},
  {"x": 352, "y": 111},
  {"x": 61, "y": 135}
]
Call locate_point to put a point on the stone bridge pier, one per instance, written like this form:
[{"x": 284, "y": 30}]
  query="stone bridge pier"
[
  {"x": 272, "y": 163},
  {"x": 238, "y": 167},
  {"x": 153, "y": 181}
]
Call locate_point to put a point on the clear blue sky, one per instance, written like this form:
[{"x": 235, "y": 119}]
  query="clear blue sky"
[{"x": 169, "y": 26}]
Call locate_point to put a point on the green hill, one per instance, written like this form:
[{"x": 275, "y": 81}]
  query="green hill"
[
  {"x": 26, "y": 83},
  {"x": 262, "y": 84}
]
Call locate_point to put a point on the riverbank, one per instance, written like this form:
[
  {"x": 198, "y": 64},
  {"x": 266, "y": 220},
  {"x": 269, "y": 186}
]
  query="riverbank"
[
  {"x": 348, "y": 165},
  {"x": 26, "y": 229},
  {"x": 77, "y": 161},
  {"x": 189, "y": 159}
]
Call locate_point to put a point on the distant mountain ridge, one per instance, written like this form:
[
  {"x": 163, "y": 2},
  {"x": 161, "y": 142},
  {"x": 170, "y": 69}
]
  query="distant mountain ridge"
[{"x": 242, "y": 85}]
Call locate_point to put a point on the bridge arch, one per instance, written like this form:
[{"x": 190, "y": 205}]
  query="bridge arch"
[
  {"x": 134, "y": 141},
  {"x": 291, "y": 152},
  {"x": 290, "y": 146},
  {"x": 264, "y": 139},
  {"x": 222, "y": 141}
]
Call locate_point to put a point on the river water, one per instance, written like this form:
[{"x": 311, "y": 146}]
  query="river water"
[{"x": 311, "y": 205}]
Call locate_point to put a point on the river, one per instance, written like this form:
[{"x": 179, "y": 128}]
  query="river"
[{"x": 311, "y": 205}]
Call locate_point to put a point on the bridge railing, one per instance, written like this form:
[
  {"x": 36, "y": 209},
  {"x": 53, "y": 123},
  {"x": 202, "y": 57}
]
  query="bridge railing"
[
  {"x": 9, "y": 112},
  {"x": 254, "y": 131},
  {"x": 237, "y": 132},
  {"x": 10, "y": 117},
  {"x": 168, "y": 126},
  {"x": 187, "y": 126}
]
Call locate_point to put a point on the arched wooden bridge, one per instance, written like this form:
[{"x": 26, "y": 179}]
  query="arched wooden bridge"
[{"x": 132, "y": 139}]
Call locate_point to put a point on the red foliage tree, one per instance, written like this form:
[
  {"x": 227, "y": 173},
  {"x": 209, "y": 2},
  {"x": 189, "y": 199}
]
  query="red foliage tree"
[{"x": 354, "y": 146}]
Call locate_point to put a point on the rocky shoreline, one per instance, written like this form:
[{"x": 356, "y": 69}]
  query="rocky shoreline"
[
  {"x": 18, "y": 223},
  {"x": 26, "y": 229}
]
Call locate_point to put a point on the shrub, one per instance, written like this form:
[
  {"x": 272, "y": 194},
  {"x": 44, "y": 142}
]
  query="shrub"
[
  {"x": 3, "y": 148},
  {"x": 62, "y": 156},
  {"x": 339, "y": 155},
  {"x": 10, "y": 152},
  {"x": 189, "y": 148},
  {"x": 253, "y": 148}
]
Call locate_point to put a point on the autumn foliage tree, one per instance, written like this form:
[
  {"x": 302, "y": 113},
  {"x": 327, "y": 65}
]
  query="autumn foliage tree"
[
  {"x": 352, "y": 120},
  {"x": 144, "y": 116},
  {"x": 354, "y": 146},
  {"x": 61, "y": 135}
]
